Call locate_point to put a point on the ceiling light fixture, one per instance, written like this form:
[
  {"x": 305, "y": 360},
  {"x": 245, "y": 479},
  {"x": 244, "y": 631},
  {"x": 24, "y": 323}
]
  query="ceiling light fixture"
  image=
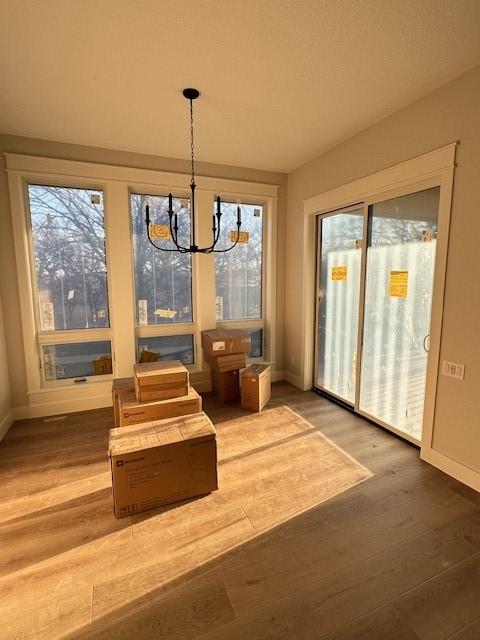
[{"x": 191, "y": 95}]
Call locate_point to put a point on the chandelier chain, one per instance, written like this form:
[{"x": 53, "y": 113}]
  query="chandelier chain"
[{"x": 192, "y": 144}]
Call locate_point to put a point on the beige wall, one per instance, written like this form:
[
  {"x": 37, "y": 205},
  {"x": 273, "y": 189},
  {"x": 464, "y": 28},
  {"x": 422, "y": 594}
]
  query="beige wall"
[
  {"x": 448, "y": 114},
  {"x": 8, "y": 281},
  {"x": 5, "y": 397}
]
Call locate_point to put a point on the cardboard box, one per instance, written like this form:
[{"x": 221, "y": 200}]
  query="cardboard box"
[
  {"x": 256, "y": 389},
  {"x": 160, "y": 380},
  {"x": 226, "y": 385},
  {"x": 119, "y": 386},
  {"x": 131, "y": 411},
  {"x": 102, "y": 366},
  {"x": 162, "y": 462},
  {"x": 218, "y": 342},
  {"x": 234, "y": 362}
]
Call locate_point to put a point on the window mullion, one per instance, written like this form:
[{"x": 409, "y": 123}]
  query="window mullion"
[
  {"x": 204, "y": 273},
  {"x": 120, "y": 280}
]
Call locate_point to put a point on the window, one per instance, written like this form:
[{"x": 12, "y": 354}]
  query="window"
[
  {"x": 178, "y": 347},
  {"x": 69, "y": 257},
  {"x": 70, "y": 281},
  {"x": 238, "y": 273},
  {"x": 257, "y": 343},
  {"x": 77, "y": 360},
  {"x": 95, "y": 296},
  {"x": 163, "y": 280}
]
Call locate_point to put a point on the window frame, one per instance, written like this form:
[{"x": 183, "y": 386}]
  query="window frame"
[
  {"x": 64, "y": 336},
  {"x": 253, "y": 323},
  {"x": 175, "y": 328},
  {"x": 117, "y": 183}
]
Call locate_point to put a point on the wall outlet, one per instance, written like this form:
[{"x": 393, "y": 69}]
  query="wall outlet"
[{"x": 453, "y": 369}]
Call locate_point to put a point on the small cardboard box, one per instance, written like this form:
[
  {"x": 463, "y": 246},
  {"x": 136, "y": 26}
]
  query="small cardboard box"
[
  {"x": 222, "y": 364},
  {"x": 219, "y": 342},
  {"x": 226, "y": 385},
  {"x": 162, "y": 462},
  {"x": 131, "y": 411},
  {"x": 119, "y": 386},
  {"x": 160, "y": 380},
  {"x": 256, "y": 388}
]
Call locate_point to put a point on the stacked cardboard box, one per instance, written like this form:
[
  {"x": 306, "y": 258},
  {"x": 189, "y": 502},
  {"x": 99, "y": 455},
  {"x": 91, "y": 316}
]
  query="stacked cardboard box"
[
  {"x": 225, "y": 353},
  {"x": 160, "y": 380},
  {"x": 157, "y": 391},
  {"x": 157, "y": 463},
  {"x": 256, "y": 386},
  {"x": 162, "y": 448},
  {"x": 226, "y": 385}
]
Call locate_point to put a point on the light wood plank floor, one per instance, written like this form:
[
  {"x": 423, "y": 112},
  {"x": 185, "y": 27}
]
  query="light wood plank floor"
[{"x": 394, "y": 557}]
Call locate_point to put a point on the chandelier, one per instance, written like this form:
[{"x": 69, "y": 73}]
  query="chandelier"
[{"x": 191, "y": 95}]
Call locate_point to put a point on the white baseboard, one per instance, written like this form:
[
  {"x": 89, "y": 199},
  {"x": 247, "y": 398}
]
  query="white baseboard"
[
  {"x": 297, "y": 381},
  {"x": 58, "y": 403},
  {"x": 6, "y": 422},
  {"x": 278, "y": 376},
  {"x": 43, "y": 409},
  {"x": 453, "y": 468}
]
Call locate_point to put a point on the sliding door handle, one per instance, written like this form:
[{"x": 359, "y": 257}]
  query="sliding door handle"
[{"x": 426, "y": 343}]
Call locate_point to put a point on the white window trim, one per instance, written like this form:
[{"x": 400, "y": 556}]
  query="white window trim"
[
  {"x": 117, "y": 183},
  {"x": 428, "y": 170}
]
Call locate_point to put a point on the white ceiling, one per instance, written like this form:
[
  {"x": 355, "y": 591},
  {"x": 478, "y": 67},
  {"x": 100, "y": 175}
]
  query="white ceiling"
[{"x": 282, "y": 81}]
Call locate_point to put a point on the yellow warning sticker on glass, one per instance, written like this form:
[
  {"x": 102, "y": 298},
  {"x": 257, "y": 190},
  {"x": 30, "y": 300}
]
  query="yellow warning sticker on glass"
[
  {"x": 159, "y": 231},
  {"x": 243, "y": 238},
  {"x": 165, "y": 313},
  {"x": 398, "y": 284},
  {"x": 339, "y": 273}
]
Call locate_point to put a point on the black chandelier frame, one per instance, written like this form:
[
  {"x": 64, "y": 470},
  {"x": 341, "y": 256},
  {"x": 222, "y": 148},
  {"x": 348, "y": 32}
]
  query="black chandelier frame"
[{"x": 191, "y": 95}]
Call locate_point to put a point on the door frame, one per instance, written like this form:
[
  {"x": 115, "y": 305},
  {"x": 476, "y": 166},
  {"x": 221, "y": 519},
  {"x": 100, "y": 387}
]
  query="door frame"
[
  {"x": 434, "y": 169},
  {"x": 318, "y": 232}
]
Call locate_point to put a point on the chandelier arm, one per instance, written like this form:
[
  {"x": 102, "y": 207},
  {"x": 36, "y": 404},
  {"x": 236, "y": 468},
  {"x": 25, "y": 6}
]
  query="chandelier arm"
[
  {"x": 174, "y": 237},
  {"x": 216, "y": 236},
  {"x": 156, "y": 246},
  {"x": 233, "y": 245}
]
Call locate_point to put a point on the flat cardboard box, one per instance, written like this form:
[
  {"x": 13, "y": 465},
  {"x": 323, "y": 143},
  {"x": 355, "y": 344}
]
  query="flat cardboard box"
[
  {"x": 134, "y": 412},
  {"x": 219, "y": 342},
  {"x": 226, "y": 385},
  {"x": 119, "y": 386},
  {"x": 233, "y": 362},
  {"x": 160, "y": 380},
  {"x": 161, "y": 391},
  {"x": 256, "y": 387},
  {"x": 158, "y": 463}
]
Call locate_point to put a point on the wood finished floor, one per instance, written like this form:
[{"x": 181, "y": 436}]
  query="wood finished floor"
[{"x": 396, "y": 557}]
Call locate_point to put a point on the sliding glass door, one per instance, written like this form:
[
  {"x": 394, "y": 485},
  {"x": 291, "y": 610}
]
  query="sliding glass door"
[
  {"x": 339, "y": 266},
  {"x": 398, "y": 298},
  {"x": 375, "y": 280}
]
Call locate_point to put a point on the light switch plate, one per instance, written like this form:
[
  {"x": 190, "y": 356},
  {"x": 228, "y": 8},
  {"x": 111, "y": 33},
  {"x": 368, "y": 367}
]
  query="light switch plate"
[{"x": 453, "y": 370}]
